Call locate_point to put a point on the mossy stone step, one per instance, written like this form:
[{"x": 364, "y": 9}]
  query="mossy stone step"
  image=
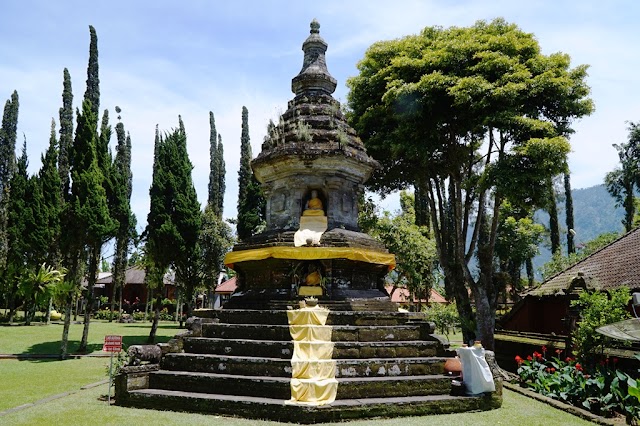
[
  {"x": 284, "y": 349},
  {"x": 279, "y": 317},
  {"x": 279, "y": 387},
  {"x": 339, "y": 333},
  {"x": 278, "y": 410},
  {"x": 279, "y": 367}
]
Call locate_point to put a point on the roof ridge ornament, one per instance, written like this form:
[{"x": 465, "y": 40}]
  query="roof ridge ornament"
[{"x": 314, "y": 77}]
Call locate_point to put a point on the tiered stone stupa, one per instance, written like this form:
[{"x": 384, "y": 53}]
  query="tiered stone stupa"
[
  {"x": 351, "y": 356},
  {"x": 312, "y": 169}
]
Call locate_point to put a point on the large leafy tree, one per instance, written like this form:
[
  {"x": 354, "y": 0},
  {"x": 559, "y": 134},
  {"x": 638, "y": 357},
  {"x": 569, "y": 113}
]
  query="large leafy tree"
[
  {"x": 251, "y": 202},
  {"x": 475, "y": 116},
  {"x": 624, "y": 181},
  {"x": 120, "y": 201},
  {"x": 8, "y": 134}
]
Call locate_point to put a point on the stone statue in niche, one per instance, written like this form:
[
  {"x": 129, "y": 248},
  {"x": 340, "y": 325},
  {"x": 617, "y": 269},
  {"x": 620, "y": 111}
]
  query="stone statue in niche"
[{"x": 314, "y": 206}]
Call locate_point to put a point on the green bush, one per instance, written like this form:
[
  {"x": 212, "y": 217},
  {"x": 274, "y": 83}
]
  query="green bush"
[
  {"x": 105, "y": 314},
  {"x": 602, "y": 389},
  {"x": 445, "y": 317},
  {"x": 597, "y": 309}
]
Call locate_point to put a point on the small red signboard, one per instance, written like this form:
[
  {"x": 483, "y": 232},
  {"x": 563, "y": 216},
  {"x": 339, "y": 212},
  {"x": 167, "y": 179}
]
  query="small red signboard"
[{"x": 112, "y": 343}]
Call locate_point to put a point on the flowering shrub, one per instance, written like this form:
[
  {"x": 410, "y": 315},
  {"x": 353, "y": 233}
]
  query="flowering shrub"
[{"x": 603, "y": 390}]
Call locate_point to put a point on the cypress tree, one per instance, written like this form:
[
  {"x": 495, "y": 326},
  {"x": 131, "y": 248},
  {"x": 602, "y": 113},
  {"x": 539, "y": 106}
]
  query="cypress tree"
[
  {"x": 19, "y": 220},
  {"x": 92, "y": 94},
  {"x": 173, "y": 223},
  {"x": 554, "y": 227},
  {"x": 251, "y": 203},
  {"x": 66, "y": 135},
  {"x": 121, "y": 208},
  {"x": 50, "y": 183},
  {"x": 221, "y": 176},
  {"x": 571, "y": 245},
  {"x": 214, "y": 190},
  {"x": 89, "y": 200},
  {"x": 8, "y": 136}
]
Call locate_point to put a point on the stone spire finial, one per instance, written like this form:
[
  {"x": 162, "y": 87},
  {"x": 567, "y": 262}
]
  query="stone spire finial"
[{"x": 314, "y": 78}]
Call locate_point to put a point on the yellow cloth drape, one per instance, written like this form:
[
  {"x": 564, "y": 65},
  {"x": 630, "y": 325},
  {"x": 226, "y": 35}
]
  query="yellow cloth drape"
[
  {"x": 311, "y": 253},
  {"x": 313, "y": 371}
]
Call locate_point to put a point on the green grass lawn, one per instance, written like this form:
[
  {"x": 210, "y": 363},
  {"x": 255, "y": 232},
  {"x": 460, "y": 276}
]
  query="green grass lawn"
[
  {"x": 89, "y": 407},
  {"x": 28, "y": 380}
]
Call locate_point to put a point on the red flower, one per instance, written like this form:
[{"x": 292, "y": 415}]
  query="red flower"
[
  {"x": 537, "y": 355},
  {"x": 578, "y": 366},
  {"x": 569, "y": 359},
  {"x": 544, "y": 349},
  {"x": 529, "y": 358},
  {"x": 551, "y": 370},
  {"x": 615, "y": 360},
  {"x": 558, "y": 351},
  {"x": 519, "y": 360}
]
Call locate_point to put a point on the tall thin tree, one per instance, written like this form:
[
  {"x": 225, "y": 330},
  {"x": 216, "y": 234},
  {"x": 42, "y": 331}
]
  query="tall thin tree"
[
  {"x": 121, "y": 208},
  {"x": 251, "y": 202},
  {"x": 8, "y": 136},
  {"x": 66, "y": 135}
]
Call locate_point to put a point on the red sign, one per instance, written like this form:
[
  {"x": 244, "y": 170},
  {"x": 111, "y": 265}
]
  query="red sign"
[{"x": 112, "y": 343}]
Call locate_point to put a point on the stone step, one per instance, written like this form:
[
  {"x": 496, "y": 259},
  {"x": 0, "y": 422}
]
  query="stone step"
[
  {"x": 277, "y": 410},
  {"x": 279, "y": 387},
  {"x": 279, "y": 367},
  {"x": 340, "y": 333},
  {"x": 279, "y": 317},
  {"x": 284, "y": 349}
]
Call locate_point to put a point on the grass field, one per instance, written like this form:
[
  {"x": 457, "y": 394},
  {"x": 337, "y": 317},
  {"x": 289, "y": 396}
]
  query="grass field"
[
  {"x": 28, "y": 380},
  {"x": 33, "y": 381}
]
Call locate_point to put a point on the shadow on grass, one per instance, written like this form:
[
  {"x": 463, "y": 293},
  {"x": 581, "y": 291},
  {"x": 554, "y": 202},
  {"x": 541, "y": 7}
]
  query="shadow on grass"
[{"x": 48, "y": 351}]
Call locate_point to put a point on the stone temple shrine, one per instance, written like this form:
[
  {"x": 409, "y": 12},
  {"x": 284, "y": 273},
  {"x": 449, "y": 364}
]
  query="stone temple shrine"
[{"x": 348, "y": 352}]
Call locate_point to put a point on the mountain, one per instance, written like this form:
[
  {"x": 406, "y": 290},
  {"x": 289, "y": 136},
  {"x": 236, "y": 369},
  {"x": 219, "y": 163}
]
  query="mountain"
[{"x": 594, "y": 213}]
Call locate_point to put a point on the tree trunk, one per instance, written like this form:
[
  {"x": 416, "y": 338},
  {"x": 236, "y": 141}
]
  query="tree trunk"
[
  {"x": 91, "y": 282},
  {"x": 571, "y": 245},
  {"x": 114, "y": 288},
  {"x": 47, "y": 319},
  {"x": 154, "y": 325},
  {"x": 65, "y": 329}
]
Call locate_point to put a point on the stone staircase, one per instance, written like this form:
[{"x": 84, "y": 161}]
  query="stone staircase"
[{"x": 237, "y": 362}]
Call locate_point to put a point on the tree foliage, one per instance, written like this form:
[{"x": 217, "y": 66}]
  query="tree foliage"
[
  {"x": 416, "y": 257},
  {"x": 475, "y": 116},
  {"x": 174, "y": 221},
  {"x": 8, "y": 135},
  {"x": 624, "y": 181},
  {"x": 120, "y": 205},
  {"x": 66, "y": 135},
  {"x": 251, "y": 202},
  {"x": 597, "y": 309}
]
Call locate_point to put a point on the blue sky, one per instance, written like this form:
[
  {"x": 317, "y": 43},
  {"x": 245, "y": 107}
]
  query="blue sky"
[{"x": 159, "y": 59}]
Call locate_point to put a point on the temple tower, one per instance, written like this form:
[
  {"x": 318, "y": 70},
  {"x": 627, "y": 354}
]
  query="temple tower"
[{"x": 312, "y": 168}]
